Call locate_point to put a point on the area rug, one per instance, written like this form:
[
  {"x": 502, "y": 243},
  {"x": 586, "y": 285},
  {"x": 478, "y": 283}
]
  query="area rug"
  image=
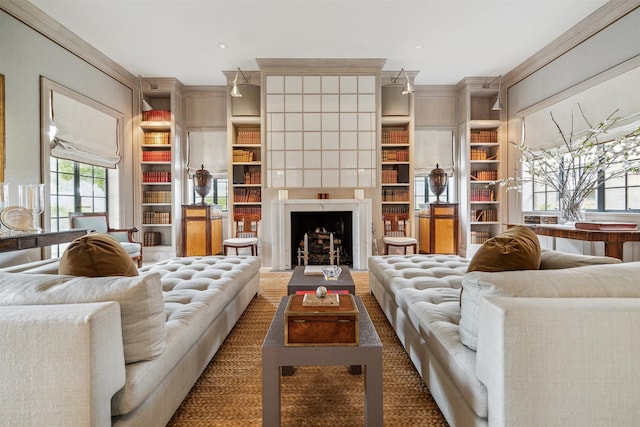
[{"x": 229, "y": 392}]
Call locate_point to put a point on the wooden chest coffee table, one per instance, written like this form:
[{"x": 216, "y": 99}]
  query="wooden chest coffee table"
[
  {"x": 368, "y": 353},
  {"x": 301, "y": 282}
]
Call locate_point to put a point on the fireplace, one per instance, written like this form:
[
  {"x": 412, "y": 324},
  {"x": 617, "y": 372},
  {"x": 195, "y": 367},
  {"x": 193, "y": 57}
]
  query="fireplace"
[
  {"x": 284, "y": 256},
  {"x": 319, "y": 227}
]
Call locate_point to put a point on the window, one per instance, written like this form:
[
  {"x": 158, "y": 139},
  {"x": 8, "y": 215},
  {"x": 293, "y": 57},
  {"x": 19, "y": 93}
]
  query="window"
[
  {"x": 423, "y": 194},
  {"x": 219, "y": 194},
  {"x": 74, "y": 187},
  {"x": 613, "y": 194}
]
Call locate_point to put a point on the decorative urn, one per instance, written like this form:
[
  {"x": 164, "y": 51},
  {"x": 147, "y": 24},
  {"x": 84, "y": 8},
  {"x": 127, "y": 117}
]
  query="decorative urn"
[
  {"x": 202, "y": 183},
  {"x": 438, "y": 181}
]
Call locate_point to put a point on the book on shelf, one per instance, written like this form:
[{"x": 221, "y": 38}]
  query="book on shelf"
[{"x": 606, "y": 225}]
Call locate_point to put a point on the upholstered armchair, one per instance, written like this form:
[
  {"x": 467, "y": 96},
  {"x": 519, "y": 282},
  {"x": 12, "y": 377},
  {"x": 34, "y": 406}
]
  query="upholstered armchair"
[{"x": 99, "y": 222}]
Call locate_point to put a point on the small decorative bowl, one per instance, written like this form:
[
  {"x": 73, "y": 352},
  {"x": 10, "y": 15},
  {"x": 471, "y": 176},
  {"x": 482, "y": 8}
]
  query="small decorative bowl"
[{"x": 331, "y": 272}]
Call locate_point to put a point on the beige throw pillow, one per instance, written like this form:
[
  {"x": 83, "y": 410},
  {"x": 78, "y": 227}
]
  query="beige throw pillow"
[{"x": 141, "y": 302}]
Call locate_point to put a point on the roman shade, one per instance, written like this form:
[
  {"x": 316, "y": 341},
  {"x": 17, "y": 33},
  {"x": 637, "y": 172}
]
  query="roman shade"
[
  {"x": 83, "y": 132},
  {"x": 208, "y": 148},
  {"x": 433, "y": 147}
]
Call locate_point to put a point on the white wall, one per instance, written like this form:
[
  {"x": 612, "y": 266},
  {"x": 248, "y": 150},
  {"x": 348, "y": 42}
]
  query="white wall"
[{"x": 25, "y": 55}]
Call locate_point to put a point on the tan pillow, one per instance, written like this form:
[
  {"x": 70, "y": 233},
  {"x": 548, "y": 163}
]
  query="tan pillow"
[
  {"x": 518, "y": 248},
  {"x": 96, "y": 255}
]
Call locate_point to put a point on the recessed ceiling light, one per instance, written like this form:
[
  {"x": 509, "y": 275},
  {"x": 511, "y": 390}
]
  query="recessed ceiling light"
[
  {"x": 419, "y": 46},
  {"x": 222, "y": 45}
]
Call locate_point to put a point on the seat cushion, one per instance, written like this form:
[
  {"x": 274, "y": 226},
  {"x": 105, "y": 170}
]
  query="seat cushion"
[
  {"x": 241, "y": 241},
  {"x": 399, "y": 240},
  {"x": 96, "y": 255}
]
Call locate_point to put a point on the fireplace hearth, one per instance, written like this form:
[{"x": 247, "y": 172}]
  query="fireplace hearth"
[
  {"x": 284, "y": 257},
  {"x": 319, "y": 228}
]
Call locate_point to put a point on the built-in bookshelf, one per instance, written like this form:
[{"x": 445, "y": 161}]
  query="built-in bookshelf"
[
  {"x": 158, "y": 159},
  {"x": 480, "y": 135},
  {"x": 245, "y": 140},
  {"x": 395, "y": 162}
]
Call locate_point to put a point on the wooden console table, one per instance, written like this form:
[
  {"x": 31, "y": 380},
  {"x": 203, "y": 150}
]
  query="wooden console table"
[
  {"x": 613, "y": 239},
  {"x": 16, "y": 242}
]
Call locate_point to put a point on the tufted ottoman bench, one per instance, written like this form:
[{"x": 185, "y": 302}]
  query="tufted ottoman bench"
[
  {"x": 420, "y": 295},
  {"x": 203, "y": 297}
]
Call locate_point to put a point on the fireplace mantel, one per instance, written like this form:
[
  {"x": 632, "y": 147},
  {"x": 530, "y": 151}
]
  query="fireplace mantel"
[{"x": 281, "y": 231}]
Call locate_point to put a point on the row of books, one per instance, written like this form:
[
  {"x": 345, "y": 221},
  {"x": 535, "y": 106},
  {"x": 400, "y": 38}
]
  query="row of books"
[
  {"x": 389, "y": 176},
  {"x": 395, "y": 155},
  {"x": 484, "y": 135},
  {"x": 156, "y": 176},
  {"x": 480, "y": 215},
  {"x": 156, "y": 156},
  {"x": 246, "y": 195},
  {"x": 243, "y": 212},
  {"x": 482, "y": 195},
  {"x": 156, "y": 197},
  {"x": 156, "y": 138},
  {"x": 156, "y": 116},
  {"x": 479, "y": 237},
  {"x": 252, "y": 175},
  {"x": 395, "y": 136},
  {"x": 248, "y": 136},
  {"x": 151, "y": 238},
  {"x": 242, "y": 156},
  {"x": 480, "y": 154},
  {"x": 484, "y": 175},
  {"x": 151, "y": 218},
  {"x": 395, "y": 195}
]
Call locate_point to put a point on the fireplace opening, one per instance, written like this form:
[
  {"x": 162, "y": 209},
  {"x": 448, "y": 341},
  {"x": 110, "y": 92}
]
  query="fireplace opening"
[{"x": 318, "y": 226}]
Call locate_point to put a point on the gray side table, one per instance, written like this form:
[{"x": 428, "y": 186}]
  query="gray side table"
[
  {"x": 368, "y": 353},
  {"x": 300, "y": 282}
]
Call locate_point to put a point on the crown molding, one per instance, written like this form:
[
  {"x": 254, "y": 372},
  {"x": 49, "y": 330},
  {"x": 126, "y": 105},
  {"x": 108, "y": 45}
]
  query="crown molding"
[{"x": 42, "y": 23}]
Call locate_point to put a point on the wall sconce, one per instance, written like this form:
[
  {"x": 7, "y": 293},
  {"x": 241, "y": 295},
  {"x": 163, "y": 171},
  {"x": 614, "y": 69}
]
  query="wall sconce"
[
  {"x": 235, "y": 91},
  {"x": 497, "y": 106},
  {"x": 407, "y": 89}
]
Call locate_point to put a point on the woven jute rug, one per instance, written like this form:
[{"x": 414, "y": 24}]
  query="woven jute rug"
[{"x": 229, "y": 392}]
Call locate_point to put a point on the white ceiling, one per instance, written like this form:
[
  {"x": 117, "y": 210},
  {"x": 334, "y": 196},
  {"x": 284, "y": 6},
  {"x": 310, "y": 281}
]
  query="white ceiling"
[{"x": 180, "y": 38}]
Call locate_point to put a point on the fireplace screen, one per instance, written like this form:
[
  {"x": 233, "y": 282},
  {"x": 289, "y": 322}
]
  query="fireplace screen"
[{"x": 315, "y": 231}]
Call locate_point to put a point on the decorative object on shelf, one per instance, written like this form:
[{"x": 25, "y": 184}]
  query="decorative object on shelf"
[
  {"x": 32, "y": 197},
  {"x": 438, "y": 181},
  {"x": 235, "y": 90},
  {"x": 580, "y": 162},
  {"x": 407, "y": 88},
  {"x": 202, "y": 183},
  {"x": 16, "y": 218}
]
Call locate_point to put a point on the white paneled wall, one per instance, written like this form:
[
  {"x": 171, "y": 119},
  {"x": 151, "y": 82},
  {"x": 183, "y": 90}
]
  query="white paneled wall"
[{"x": 321, "y": 131}]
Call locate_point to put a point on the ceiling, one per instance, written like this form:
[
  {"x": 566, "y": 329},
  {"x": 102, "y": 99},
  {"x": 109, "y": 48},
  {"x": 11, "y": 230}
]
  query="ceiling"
[{"x": 445, "y": 40}]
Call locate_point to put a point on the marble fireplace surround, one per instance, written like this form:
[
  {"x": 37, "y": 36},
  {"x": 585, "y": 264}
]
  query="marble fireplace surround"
[{"x": 281, "y": 227}]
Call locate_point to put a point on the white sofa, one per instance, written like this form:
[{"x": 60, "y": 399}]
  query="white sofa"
[
  {"x": 71, "y": 364},
  {"x": 561, "y": 354}
]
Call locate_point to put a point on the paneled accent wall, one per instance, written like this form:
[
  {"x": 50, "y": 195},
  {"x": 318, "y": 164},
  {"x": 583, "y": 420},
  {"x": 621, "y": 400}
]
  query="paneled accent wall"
[{"x": 321, "y": 131}]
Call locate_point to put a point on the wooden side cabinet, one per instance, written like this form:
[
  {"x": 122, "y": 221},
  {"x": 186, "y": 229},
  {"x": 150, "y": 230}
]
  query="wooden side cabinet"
[
  {"x": 439, "y": 229},
  {"x": 201, "y": 231}
]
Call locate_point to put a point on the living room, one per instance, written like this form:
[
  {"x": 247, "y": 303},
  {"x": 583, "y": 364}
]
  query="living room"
[
  {"x": 435, "y": 111},
  {"x": 594, "y": 64}
]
